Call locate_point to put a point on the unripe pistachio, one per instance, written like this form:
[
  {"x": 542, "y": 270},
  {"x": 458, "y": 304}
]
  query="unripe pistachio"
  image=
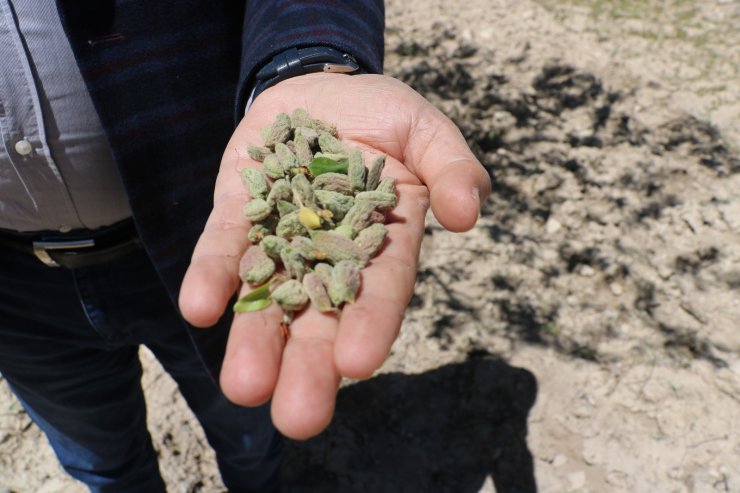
[
  {"x": 293, "y": 262},
  {"x": 290, "y": 226},
  {"x": 356, "y": 170},
  {"x": 254, "y": 182},
  {"x": 290, "y": 295},
  {"x": 273, "y": 245},
  {"x": 258, "y": 153},
  {"x": 255, "y": 266},
  {"x": 272, "y": 166},
  {"x": 258, "y": 232},
  {"x": 284, "y": 207},
  {"x": 323, "y": 270},
  {"x": 337, "y": 247},
  {"x": 344, "y": 283},
  {"x": 335, "y": 182},
  {"x": 387, "y": 185},
  {"x": 379, "y": 200},
  {"x": 303, "y": 193},
  {"x": 256, "y": 210},
  {"x": 330, "y": 144},
  {"x": 299, "y": 117},
  {"x": 314, "y": 288},
  {"x": 280, "y": 191},
  {"x": 371, "y": 238},
  {"x": 279, "y": 132},
  {"x": 286, "y": 157},
  {"x": 302, "y": 150},
  {"x": 374, "y": 171},
  {"x": 336, "y": 202}
]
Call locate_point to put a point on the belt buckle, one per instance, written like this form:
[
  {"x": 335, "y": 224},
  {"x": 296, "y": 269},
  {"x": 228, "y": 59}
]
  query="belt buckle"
[{"x": 41, "y": 249}]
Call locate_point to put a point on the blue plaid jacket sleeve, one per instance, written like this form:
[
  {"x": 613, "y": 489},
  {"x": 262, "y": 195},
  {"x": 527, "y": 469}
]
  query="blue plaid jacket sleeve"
[{"x": 355, "y": 27}]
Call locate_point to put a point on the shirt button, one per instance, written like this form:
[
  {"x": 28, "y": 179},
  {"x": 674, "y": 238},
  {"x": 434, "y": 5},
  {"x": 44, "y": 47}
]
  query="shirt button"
[{"x": 23, "y": 147}]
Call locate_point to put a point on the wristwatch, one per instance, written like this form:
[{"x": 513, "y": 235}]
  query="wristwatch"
[{"x": 299, "y": 61}]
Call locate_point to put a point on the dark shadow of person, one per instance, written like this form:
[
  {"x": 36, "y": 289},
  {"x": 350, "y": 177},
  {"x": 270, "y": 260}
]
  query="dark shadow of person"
[{"x": 444, "y": 430}]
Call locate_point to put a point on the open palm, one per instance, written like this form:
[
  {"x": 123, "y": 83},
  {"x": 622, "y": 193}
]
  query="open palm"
[{"x": 431, "y": 164}]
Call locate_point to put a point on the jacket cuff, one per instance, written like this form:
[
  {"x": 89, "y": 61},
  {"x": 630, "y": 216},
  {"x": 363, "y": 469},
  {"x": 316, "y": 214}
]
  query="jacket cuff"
[{"x": 270, "y": 27}]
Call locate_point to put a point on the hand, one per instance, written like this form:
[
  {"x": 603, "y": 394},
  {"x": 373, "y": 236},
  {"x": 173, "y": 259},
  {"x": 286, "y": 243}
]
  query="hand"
[{"x": 431, "y": 163}]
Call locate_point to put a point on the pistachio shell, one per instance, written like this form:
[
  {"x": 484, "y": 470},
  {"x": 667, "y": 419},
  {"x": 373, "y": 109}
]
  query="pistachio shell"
[
  {"x": 279, "y": 132},
  {"x": 338, "y": 247},
  {"x": 254, "y": 182},
  {"x": 344, "y": 283},
  {"x": 255, "y": 267},
  {"x": 256, "y": 210},
  {"x": 290, "y": 295},
  {"x": 314, "y": 288}
]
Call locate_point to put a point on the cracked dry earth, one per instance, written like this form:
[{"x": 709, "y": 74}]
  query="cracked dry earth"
[{"x": 585, "y": 336}]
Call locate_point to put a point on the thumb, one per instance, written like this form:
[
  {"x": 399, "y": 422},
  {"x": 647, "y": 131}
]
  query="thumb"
[{"x": 437, "y": 153}]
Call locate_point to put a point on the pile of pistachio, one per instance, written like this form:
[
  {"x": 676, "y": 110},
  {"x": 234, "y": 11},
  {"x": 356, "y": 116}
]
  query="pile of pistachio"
[{"x": 317, "y": 220}]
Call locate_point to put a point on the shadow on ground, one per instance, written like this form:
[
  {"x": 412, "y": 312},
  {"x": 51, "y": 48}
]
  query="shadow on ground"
[{"x": 445, "y": 430}]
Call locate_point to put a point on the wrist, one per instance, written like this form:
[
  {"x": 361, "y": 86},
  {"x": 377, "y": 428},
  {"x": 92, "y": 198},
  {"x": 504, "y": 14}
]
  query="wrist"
[{"x": 299, "y": 61}]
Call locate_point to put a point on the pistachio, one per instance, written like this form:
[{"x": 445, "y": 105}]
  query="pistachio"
[
  {"x": 258, "y": 153},
  {"x": 257, "y": 209},
  {"x": 305, "y": 247},
  {"x": 308, "y": 133},
  {"x": 286, "y": 157},
  {"x": 290, "y": 295},
  {"x": 314, "y": 288},
  {"x": 303, "y": 152},
  {"x": 257, "y": 233},
  {"x": 255, "y": 266},
  {"x": 371, "y": 238},
  {"x": 303, "y": 193},
  {"x": 290, "y": 226},
  {"x": 335, "y": 202},
  {"x": 344, "y": 282},
  {"x": 284, "y": 207},
  {"x": 323, "y": 270},
  {"x": 272, "y": 167},
  {"x": 373, "y": 172},
  {"x": 280, "y": 191},
  {"x": 378, "y": 199},
  {"x": 279, "y": 132},
  {"x": 293, "y": 262},
  {"x": 273, "y": 245},
  {"x": 337, "y": 247},
  {"x": 334, "y": 182},
  {"x": 329, "y": 143},
  {"x": 321, "y": 127},
  {"x": 387, "y": 184},
  {"x": 299, "y": 117},
  {"x": 356, "y": 170},
  {"x": 254, "y": 182},
  {"x": 345, "y": 230},
  {"x": 359, "y": 216}
]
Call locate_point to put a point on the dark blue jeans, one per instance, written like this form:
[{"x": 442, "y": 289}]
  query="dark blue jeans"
[{"x": 69, "y": 350}]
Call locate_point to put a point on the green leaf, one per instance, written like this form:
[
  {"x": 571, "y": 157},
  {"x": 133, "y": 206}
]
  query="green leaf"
[
  {"x": 321, "y": 165},
  {"x": 255, "y": 300},
  {"x": 243, "y": 306}
]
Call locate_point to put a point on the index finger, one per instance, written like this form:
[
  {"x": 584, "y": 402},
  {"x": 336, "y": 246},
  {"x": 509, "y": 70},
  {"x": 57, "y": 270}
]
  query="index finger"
[{"x": 213, "y": 275}]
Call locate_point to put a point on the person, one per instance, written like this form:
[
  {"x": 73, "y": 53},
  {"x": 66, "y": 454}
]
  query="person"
[{"x": 115, "y": 213}]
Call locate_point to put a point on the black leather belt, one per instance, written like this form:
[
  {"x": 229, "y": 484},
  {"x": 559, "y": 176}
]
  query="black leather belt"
[{"x": 78, "y": 248}]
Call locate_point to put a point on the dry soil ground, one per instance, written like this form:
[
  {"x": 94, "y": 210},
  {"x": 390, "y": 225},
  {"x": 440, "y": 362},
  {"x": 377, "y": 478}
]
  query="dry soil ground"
[{"x": 585, "y": 336}]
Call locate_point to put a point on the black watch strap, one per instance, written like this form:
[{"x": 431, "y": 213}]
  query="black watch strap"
[{"x": 299, "y": 61}]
